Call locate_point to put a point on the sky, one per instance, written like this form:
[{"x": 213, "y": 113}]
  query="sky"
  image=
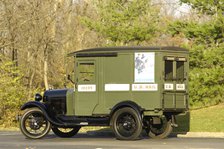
[{"x": 182, "y": 9}]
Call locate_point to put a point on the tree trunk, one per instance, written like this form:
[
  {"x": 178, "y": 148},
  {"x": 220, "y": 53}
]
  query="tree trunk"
[
  {"x": 46, "y": 74},
  {"x": 31, "y": 84},
  {"x": 15, "y": 56}
]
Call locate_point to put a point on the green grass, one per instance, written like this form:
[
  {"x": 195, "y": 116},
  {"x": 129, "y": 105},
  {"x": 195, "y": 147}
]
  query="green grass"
[
  {"x": 209, "y": 119},
  {"x": 9, "y": 128}
]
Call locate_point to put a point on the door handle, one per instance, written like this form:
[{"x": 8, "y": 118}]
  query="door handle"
[{"x": 76, "y": 83}]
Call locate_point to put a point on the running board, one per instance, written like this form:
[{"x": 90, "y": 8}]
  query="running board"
[{"x": 70, "y": 121}]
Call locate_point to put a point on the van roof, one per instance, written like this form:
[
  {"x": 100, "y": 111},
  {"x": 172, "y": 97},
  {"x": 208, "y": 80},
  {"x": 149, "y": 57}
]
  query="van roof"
[{"x": 126, "y": 48}]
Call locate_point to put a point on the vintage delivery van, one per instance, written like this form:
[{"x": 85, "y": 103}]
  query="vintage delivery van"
[{"x": 128, "y": 88}]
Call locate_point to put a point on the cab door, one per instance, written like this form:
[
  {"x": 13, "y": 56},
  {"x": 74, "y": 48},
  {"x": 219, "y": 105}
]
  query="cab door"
[
  {"x": 86, "y": 95},
  {"x": 175, "y": 83}
]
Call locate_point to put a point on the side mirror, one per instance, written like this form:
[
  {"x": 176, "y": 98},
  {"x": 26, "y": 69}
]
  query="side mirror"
[{"x": 70, "y": 78}]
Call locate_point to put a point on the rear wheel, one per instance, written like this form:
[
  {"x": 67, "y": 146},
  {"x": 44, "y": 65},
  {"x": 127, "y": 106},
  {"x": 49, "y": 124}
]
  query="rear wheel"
[
  {"x": 162, "y": 130},
  {"x": 33, "y": 124},
  {"x": 65, "y": 132},
  {"x": 126, "y": 124}
]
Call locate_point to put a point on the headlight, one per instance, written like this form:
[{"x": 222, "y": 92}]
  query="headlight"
[{"x": 38, "y": 97}]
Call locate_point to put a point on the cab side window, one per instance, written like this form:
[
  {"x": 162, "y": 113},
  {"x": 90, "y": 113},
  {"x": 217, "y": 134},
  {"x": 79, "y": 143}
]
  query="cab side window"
[
  {"x": 86, "y": 72},
  {"x": 180, "y": 70},
  {"x": 168, "y": 70}
]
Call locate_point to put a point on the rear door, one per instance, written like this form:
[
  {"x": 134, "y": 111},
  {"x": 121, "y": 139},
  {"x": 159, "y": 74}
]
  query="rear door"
[
  {"x": 175, "y": 82},
  {"x": 86, "y": 95}
]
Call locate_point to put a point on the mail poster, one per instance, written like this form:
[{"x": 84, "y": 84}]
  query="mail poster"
[{"x": 145, "y": 67}]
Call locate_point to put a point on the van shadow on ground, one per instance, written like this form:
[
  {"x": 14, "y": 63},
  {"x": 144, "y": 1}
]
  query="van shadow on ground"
[{"x": 103, "y": 133}]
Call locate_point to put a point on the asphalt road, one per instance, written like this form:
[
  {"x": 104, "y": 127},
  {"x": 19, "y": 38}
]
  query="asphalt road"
[{"x": 15, "y": 140}]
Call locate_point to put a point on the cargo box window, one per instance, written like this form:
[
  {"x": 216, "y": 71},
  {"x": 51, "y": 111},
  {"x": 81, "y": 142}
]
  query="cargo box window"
[
  {"x": 86, "y": 72},
  {"x": 168, "y": 70},
  {"x": 180, "y": 70}
]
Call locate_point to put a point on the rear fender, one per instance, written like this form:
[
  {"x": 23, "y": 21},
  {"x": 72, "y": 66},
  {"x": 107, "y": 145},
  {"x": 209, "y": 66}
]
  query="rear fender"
[{"x": 130, "y": 104}]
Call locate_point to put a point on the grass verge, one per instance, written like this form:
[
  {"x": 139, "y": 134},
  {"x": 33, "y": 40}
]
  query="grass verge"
[{"x": 209, "y": 119}]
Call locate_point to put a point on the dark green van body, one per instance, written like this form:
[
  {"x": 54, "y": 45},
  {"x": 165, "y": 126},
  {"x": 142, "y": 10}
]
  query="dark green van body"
[
  {"x": 155, "y": 78},
  {"x": 128, "y": 88}
]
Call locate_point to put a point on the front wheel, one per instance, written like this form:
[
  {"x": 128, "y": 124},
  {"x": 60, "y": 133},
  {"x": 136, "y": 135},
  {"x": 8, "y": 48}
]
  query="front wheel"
[
  {"x": 162, "y": 130},
  {"x": 126, "y": 124},
  {"x": 33, "y": 124},
  {"x": 65, "y": 132}
]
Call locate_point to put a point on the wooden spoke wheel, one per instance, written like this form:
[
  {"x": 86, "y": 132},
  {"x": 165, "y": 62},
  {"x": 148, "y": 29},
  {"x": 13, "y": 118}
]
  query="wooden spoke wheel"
[
  {"x": 65, "y": 132},
  {"x": 162, "y": 130},
  {"x": 33, "y": 124},
  {"x": 126, "y": 124}
]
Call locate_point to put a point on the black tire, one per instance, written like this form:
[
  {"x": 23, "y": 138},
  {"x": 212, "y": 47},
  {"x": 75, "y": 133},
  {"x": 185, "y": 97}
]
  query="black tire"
[
  {"x": 65, "y": 132},
  {"x": 126, "y": 124},
  {"x": 160, "y": 131},
  {"x": 34, "y": 124}
]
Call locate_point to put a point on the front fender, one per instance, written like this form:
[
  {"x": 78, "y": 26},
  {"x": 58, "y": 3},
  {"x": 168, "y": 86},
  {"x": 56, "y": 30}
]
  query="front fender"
[
  {"x": 43, "y": 108},
  {"x": 33, "y": 104},
  {"x": 36, "y": 104}
]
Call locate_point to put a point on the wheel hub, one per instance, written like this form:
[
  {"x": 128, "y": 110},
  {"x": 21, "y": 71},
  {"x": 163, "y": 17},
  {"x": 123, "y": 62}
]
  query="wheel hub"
[
  {"x": 127, "y": 125},
  {"x": 35, "y": 124}
]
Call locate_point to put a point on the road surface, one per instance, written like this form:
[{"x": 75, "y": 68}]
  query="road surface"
[{"x": 91, "y": 140}]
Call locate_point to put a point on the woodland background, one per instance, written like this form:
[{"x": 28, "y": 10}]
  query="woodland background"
[{"x": 36, "y": 36}]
